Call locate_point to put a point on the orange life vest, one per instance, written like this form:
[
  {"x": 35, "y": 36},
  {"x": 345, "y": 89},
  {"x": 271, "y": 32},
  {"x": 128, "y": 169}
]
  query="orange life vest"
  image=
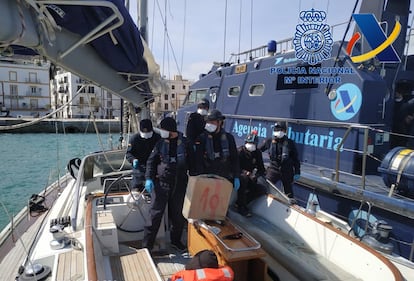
[{"x": 224, "y": 273}]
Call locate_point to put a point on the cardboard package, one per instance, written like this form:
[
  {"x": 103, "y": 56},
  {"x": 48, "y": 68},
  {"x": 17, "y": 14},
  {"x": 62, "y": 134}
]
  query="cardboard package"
[{"x": 207, "y": 197}]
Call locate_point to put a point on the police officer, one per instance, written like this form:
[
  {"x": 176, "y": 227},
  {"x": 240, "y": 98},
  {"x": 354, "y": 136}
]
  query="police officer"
[
  {"x": 166, "y": 180},
  {"x": 217, "y": 150},
  {"x": 139, "y": 148},
  {"x": 252, "y": 167},
  {"x": 196, "y": 122},
  {"x": 195, "y": 127},
  {"x": 284, "y": 161}
]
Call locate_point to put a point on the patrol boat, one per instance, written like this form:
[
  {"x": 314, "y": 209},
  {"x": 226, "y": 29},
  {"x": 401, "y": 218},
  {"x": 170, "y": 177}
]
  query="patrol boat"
[{"x": 338, "y": 101}]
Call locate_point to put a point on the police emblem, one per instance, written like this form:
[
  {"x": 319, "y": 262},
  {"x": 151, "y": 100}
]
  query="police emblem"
[{"x": 313, "y": 40}]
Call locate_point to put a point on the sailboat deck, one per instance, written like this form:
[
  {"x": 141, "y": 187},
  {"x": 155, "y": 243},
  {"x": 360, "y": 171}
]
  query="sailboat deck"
[
  {"x": 70, "y": 266},
  {"x": 10, "y": 264},
  {"x": 137, "y": 266}
]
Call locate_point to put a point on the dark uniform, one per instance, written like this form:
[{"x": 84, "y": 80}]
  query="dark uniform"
[
  {"x": 195, "y": 126},
  {"x": 252, "y": 167},
  {"x": 167, "y": 170},
  {"x": 196, "y": 122},
  {"x": 284, "y": 161},
  {"x": 139, "y": 147},
  {"x": 217, "y": 150}
]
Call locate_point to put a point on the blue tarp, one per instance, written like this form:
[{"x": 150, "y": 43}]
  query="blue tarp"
[{"x": 126, "y": 55}]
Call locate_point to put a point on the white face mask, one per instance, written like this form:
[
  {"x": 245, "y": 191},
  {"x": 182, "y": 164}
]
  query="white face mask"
[
  {"x": 250, "y": 146},
  {"x": 278, "y": 134},
  {"x": 164, "y": 134},
  {"x": 146, "y": 135},
  {"x": 210, "y": 127},
  {"x": 202, "y": 111}
]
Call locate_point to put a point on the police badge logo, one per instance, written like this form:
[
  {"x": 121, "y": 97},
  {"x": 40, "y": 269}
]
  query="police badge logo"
[{"x": 313, "y": 40}]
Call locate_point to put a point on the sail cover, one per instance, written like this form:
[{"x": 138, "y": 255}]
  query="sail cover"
[{"x": 122, "y": 48}]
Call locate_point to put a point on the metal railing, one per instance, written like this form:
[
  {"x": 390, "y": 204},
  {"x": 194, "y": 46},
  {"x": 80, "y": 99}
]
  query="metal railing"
[{"x": 349, "y": 127}]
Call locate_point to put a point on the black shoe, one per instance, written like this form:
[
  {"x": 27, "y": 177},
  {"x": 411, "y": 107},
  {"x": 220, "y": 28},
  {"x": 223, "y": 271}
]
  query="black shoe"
[
  {"x": 178, "y": 246},
  {"x": 244, "y": 211}
]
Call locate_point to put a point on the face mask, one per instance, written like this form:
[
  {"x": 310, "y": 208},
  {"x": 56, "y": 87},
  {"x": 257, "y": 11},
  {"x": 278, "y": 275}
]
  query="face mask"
[
  {"x": 278, "y": 134},
  {"x": 210, "y": 127},
  {"x": 164, "y": 134},
  {"x": 250, "y": 146},
  {"x": 146, "y": 135},
  {"x": 202, "y": 111}
]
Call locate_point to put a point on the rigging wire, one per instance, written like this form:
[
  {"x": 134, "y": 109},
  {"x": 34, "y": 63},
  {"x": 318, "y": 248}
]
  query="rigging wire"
[
  {"x": 240, "y": 23},
  {"x": 168, "y": 39},
  {"x": 225, "y": 31},
  {"x": 251, "y": 28},
  {"x": 330, "y": 85},
  {"x": 184, "y": 30}
]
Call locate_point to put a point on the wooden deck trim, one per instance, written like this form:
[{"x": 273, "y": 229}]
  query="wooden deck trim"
[
  {"x": 90, "y": 254},
  {"x": 70, "y": 266},
  {"x": 137, "y": 266}
]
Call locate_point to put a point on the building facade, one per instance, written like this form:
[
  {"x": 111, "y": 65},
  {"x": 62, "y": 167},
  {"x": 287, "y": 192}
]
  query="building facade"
[
  {"x": 82, "y": 98},
  {"x": 169, "y": 102},
  {"x": 25, "y": 90}
]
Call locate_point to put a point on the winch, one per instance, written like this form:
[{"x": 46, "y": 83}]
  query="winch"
[{"x": 378, "y": 238}]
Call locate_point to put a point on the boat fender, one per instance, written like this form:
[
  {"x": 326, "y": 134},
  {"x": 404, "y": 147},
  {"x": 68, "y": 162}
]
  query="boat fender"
[{"x": 73, "y": 167}]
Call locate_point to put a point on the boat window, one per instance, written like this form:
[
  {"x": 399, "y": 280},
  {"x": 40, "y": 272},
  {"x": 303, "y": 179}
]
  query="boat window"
[
  {"x": 256, "y": 90},
  {"x": 194, "y": 96},
  {"x": 234, "y": 91}
]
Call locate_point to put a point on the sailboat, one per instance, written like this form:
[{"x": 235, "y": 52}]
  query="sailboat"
[
  {"x": 90, "y": 222},
  {"x": 337, "y": 99}
]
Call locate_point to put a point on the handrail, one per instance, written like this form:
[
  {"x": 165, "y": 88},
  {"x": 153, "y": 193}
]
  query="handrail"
[
  {"x": 348, "y": 126},
  {"x": 97, "y": 31}
]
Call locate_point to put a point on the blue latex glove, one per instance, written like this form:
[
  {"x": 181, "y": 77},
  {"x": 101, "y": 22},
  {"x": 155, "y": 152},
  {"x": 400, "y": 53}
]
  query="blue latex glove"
[
  {"x": 236, "y": 184},
  {"x": 149, "y": 185},
  {"x": 135, "y": 164},
  {"x": 296, "y": 177}
]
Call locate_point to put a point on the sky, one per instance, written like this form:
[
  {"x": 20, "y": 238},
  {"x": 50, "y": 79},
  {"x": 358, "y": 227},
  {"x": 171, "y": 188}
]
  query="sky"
[{"x": 200, "y": 32}]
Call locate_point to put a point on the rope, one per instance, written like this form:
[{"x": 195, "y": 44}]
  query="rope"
[
  {"x": 37, "y": 120},
  {"x": 225, "y": 32}
]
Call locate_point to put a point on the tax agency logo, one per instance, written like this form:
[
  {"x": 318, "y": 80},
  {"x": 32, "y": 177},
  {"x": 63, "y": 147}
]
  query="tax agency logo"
[
  {"x": 381, "y": 45},
  {"x": 313, "y": 40}
]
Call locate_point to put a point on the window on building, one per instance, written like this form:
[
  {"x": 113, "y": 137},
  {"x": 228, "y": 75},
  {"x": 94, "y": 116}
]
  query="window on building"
[
  {"x": 91, "y": 89},
  {"x": 109, "y": 104},
  {"x": 12, "y": 75},
  {"x": 33, "y": 90},
  {"x": 93, "y": 100},
  {"x": 33, "y": 77},
  {"x": 165, "y": 106},
  {"x": 34, "y": 103},
  {"x": 13, "y": 90},
  {"x": 183, "y": 87},
  {"x": 173, "y": 87},
  {"x": 81, "y": 100},
  {"x": 234, "y": 91},
  {"x": 256, "y": 90},
  {"x": 166, "y": 97},
  {"x": 65, "y": 79},
  {"x": 173, "y": 95}
]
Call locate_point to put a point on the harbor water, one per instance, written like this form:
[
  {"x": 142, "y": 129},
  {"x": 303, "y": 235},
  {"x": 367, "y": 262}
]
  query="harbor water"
[{"x": 30, "y": 162}]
